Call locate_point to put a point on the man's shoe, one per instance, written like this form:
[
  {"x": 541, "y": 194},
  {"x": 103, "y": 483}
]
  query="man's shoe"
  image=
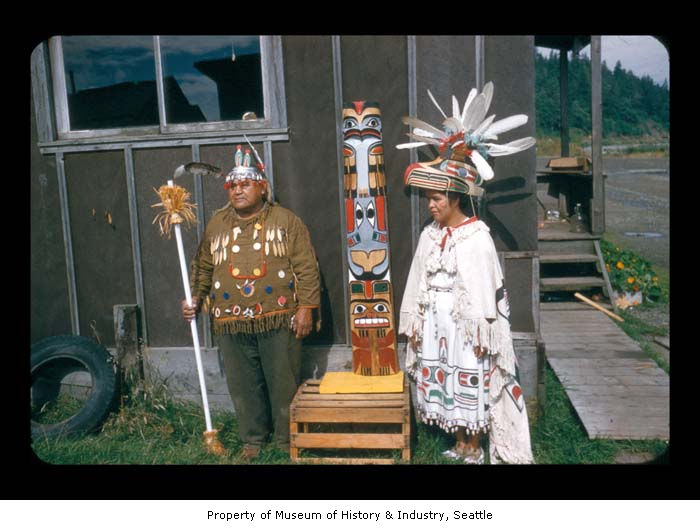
[{"x": 249, "y": 452}]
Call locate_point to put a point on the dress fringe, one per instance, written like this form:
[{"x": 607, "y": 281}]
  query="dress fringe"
[
  {"x": 260, "y": 324},
  {"x": 450, "y": 426}
]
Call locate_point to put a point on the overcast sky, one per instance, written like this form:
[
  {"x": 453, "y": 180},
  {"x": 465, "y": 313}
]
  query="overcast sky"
[{"x": 642, "y": 54}]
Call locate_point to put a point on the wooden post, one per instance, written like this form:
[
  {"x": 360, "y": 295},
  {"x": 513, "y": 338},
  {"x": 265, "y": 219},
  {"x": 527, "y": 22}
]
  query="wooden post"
[
  {"x": 598, "y": 200},
  {"x": 541, "y": 376},
  {"x": 127, "y": 335},
  {"x": 564, "y": 100}
]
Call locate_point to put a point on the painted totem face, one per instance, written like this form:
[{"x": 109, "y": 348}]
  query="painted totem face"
[
  {"x": 363, "y": 150},
  {"x": 368, "y": 245},
  {"x": 372, "y": 323}
]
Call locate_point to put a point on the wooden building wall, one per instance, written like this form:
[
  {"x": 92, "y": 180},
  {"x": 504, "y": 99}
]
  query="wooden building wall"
[{"x": 306, "y": 180}]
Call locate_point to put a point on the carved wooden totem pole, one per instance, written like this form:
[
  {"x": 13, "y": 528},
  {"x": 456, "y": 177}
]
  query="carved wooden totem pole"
[{"x": 371, "y": 298}]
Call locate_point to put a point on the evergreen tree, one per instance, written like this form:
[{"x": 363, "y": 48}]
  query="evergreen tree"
[{"x": 631, "y": 105}]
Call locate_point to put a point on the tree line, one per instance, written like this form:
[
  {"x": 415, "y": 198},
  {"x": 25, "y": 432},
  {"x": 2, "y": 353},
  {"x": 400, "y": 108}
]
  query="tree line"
[{"x": 632, "y": 106}]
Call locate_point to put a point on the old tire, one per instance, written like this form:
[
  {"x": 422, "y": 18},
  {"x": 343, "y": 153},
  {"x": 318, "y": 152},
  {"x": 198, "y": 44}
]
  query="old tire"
[{"x": 54, "y": 358}]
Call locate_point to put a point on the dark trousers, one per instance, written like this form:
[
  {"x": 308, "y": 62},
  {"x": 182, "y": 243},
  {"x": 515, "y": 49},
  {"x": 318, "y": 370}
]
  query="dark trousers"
[{"x": 262, "y": 374}]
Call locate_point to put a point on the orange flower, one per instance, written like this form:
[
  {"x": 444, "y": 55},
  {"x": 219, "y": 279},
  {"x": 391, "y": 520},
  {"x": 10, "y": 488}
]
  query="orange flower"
[
  {"x": 620, "y": 265},
  {"x": 630, "y": 280}
]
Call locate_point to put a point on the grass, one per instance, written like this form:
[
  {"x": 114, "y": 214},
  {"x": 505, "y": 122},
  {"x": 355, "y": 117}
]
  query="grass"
[{"x": 160, "y": 430}]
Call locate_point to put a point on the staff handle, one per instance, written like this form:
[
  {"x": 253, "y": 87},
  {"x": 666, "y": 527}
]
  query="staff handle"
[
  {"x": 598, "y": 307},
  {"x": 193, "y": 322}
]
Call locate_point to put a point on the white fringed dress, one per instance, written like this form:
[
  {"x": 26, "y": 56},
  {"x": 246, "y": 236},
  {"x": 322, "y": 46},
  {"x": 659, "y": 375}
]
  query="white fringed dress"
[{"x": 454, "y": 300}]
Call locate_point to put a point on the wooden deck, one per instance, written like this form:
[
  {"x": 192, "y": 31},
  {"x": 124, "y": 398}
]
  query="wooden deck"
[{"x": 617, "y": 390}]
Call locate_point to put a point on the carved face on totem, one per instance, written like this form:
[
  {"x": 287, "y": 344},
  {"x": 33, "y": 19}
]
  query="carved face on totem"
[
  {"x": 363, "y": 150},
  {"x": 372, "y": 323}
]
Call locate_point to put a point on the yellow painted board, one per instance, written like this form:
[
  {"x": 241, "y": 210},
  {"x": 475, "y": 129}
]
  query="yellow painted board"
[{"x": 350, "y": 383}]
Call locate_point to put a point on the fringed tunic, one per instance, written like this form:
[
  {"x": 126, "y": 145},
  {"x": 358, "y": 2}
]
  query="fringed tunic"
[{"x": 455, "y": 299}]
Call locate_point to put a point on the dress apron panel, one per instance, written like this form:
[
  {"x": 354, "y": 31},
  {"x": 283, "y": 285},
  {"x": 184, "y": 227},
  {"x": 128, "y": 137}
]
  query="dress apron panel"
[{"x": 452, "y": 384}]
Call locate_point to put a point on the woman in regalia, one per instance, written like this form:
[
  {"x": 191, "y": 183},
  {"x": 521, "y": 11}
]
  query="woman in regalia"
[{"x": 455, "y": 309}]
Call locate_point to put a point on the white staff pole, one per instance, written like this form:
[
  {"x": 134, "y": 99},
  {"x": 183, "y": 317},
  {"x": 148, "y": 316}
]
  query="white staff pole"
[{"x": 193, "y": 322}]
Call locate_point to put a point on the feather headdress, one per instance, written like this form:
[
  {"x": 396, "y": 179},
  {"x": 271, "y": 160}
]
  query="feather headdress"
[
  {"x": 469, "y": 134},
  {"x": 244, "y": 167}
]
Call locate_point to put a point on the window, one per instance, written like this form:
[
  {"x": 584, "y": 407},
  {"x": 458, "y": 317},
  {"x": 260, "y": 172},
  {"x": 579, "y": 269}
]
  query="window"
[{"x": 140, "y": 85}]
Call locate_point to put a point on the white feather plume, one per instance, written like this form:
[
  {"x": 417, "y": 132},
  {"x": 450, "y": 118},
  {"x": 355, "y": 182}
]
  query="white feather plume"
[
  {"x": 511, "y": 147},
  {"x": 475, "y": 113},
  {"x": 455, "y": 108},
  {"x": 484, "y": 125},
  {"x": 470, "y": 98},
  {"x": 504, "y": 125},
  {"x": 416, "y": 123},
  {"x": 436, "y": 104},
  {"x": 482, "y": 166},
  {"x": 411, "y": 145}
]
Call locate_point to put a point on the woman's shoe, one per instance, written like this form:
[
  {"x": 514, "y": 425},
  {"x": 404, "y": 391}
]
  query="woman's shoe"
[{"x": 475, "y": 458}]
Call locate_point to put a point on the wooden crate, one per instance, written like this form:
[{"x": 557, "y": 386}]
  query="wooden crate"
[{"x": 348, "y": 412}]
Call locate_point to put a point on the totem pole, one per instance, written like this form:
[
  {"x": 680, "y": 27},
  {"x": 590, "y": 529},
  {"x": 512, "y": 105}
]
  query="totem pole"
[{"x": 369, "y": 283}]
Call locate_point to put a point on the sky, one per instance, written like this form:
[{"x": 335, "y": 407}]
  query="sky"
[{"x": 641, "y": 54}]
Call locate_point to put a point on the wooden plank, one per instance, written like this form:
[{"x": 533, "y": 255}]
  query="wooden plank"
[
  {"x": 607, "y": 363},
  {"x": 593, "y": 344},
  {"x": 604, "y": 271},
  {"x": 651, "y": 391},
  {"x": 345, "y": 415},
  {"x": 599, "y": 354},
  {"x": 346, "y": 461},
  {"x": 618, "y": 407},
  {"x": 568, "y": 379},
  {"x": 572, "y": 283},
  {"x": 348, "y": 441},
  {"x": 568, "y": 258},
  {"x": 395, "y": 396},
  {"x": 555, "y": 307},
  {"x": 340, "y": 402},
  {"x": 626, "y": 430}
]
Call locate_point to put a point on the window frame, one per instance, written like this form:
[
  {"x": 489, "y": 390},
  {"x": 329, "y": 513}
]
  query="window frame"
[{"x": 274, "y": 101}]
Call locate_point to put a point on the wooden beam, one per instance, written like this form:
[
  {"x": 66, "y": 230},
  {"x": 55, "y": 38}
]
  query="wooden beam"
[
  {"x": 564, "y": 100},
  {"x": 598, "y": 201}
]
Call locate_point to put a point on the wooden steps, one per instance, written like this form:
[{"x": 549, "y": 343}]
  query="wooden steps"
[
  {"x": 571, "y": 262},
  {"x": 570, "y": 283}
]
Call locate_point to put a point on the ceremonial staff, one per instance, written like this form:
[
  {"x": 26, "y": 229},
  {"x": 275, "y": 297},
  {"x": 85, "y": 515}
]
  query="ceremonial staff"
[{"x": 174, "y": 200}]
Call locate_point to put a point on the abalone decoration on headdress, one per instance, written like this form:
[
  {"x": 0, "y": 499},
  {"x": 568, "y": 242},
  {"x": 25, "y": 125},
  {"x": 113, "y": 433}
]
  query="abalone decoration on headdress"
[
  {"x": 244, "y": 167},
  {"x": 464, "y": 145}
]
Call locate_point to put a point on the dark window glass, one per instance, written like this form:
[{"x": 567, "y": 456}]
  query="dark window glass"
[
  {"x": 211, "y": 78},
  {"x": 110, "y": 81}
]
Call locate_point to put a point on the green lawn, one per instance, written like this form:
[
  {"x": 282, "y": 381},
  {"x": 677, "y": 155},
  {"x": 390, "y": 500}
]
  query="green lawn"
[{"x": 155, "y": 429}]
